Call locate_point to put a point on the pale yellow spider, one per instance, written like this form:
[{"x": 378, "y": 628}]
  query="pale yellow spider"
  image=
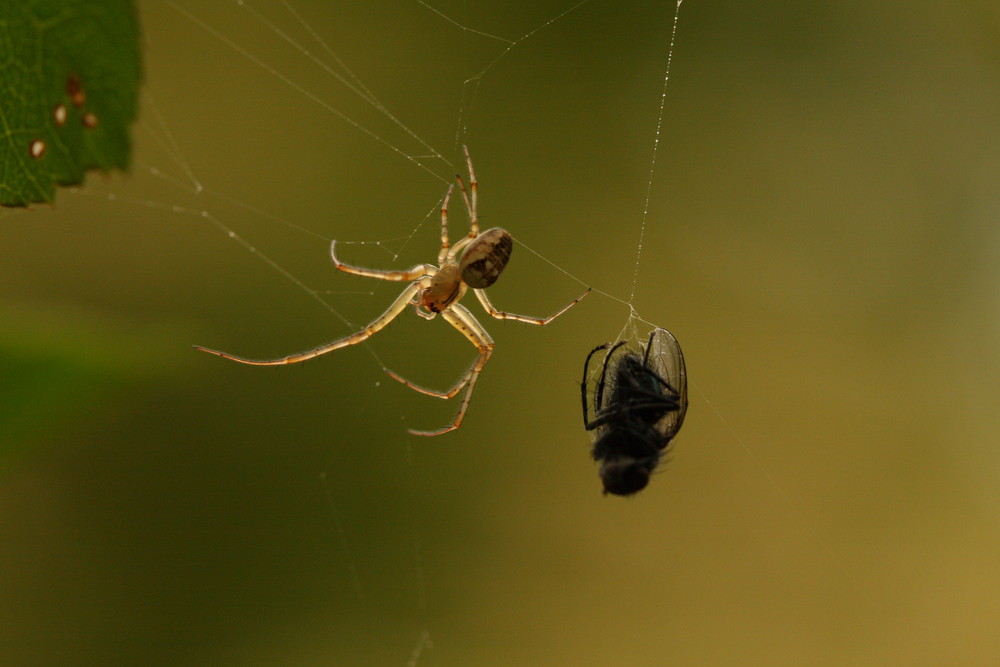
[{"x": 436, "y": 290}]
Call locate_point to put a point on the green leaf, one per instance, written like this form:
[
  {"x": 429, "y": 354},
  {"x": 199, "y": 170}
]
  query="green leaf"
[{"x": 69, "y": 75}]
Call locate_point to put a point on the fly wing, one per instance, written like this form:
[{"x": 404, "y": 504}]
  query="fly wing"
[
  {"x": 667, "y": 360},
  {"x": 599, "y": 381}
]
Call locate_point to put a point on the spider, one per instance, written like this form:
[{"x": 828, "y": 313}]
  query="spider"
[
  {"x": 639, "y": 406},
  {"x": 475, "y": 261}
]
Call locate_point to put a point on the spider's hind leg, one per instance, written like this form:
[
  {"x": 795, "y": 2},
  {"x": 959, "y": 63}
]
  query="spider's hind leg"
[
  {"x": 459, "y": 317},
  {"x": 451, "y": 393}
]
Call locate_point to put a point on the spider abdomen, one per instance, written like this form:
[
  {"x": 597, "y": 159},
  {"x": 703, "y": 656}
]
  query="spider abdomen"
[{"x": 486, "y": 257}]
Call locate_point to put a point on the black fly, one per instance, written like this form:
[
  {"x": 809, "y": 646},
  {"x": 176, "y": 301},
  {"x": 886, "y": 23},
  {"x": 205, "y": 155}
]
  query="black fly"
[{"x": 639, "y": 405}]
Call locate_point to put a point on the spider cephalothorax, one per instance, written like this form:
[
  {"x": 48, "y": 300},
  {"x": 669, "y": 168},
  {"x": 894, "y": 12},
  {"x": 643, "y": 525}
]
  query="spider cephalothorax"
[
  {"x": 483, "y": 261},
  {"x": 445, "y": 289},
  {"x": 475, "y": 261}
]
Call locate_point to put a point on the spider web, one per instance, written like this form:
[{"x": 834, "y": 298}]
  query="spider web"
[{"x": 319, "y": 527}]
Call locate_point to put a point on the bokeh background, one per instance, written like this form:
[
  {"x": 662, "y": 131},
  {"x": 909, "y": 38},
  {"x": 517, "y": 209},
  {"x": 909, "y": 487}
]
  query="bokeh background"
[{"x": 822, "y": 238}]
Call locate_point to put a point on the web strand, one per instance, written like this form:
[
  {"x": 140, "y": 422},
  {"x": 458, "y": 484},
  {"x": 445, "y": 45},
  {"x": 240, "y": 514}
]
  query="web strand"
[
  {"x": 303, "y": 91},
  {"x": 656, "y": 148}
]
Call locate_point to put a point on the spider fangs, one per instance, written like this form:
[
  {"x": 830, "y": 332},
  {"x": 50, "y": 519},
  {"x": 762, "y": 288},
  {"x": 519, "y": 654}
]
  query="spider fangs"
[{"x": 475, "y": 261}]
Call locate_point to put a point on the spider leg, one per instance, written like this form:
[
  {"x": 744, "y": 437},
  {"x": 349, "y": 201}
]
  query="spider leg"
[
  {"x": 422, "y": 312},
  {"x": 471, "y": 209},
  {"x": 418, "y": 271},
  {"x": 459, "y": 317},
  {"x": 451, "y": 393},
  {"x": 449, "y": 252},
  {"x": 470, "y": 206},
  {"x": 428, "y": 315},
  {"x": 542, "y": 321},
  {"x": 445, "y": 243},
  {"x": 397, "y": 307}
]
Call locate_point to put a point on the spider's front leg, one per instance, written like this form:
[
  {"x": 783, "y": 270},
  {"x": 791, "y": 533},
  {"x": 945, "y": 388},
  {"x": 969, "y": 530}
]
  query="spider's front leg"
[
  {"x": 418, "y": 271},
  {"x": 527, "y": 319}
]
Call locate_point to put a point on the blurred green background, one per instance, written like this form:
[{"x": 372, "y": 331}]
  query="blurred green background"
[{"x": 822, "y": 239}]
